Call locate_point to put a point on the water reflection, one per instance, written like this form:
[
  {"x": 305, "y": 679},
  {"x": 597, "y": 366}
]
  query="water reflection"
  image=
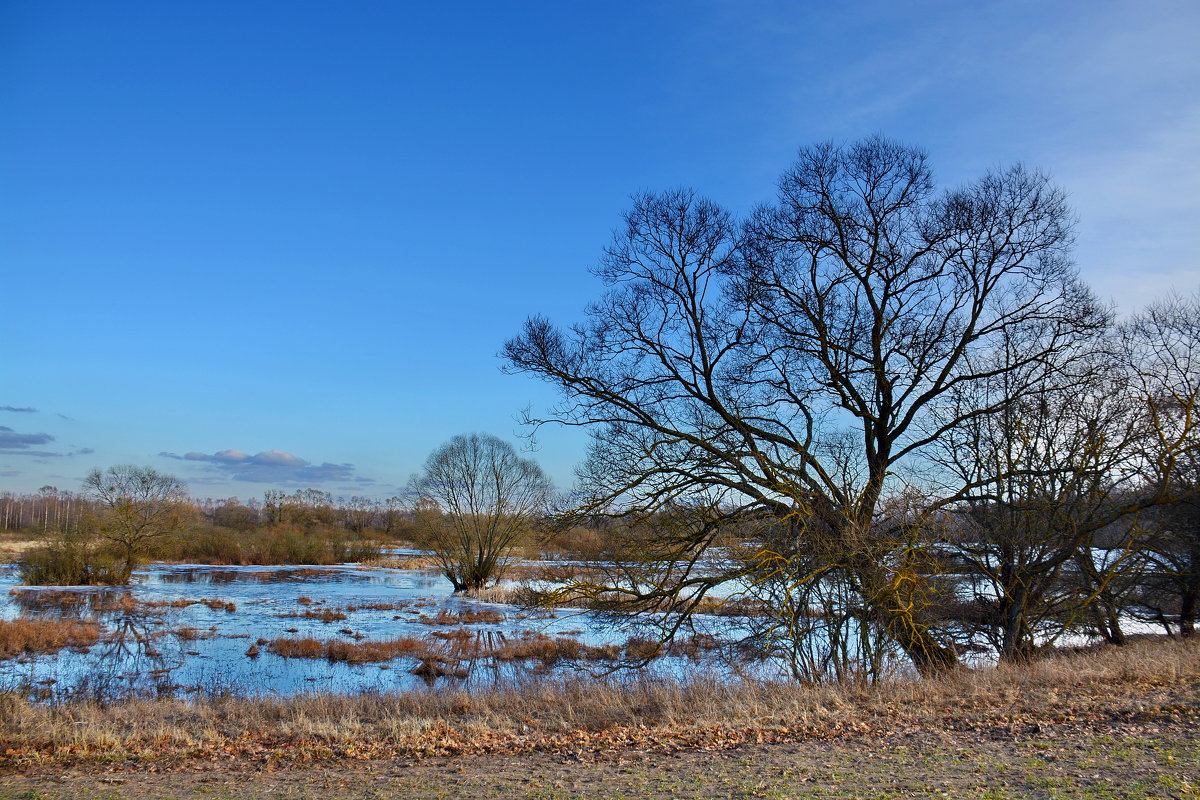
[
  {"x": 270, "y": 575},
  {"x": 201, "y": 629}
]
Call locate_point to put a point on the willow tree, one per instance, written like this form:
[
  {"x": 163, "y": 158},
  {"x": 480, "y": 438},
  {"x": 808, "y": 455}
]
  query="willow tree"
[
  {"x": 134, "y": 507},
  {"x": 794, "y": 367},
  {"x": 478, "y": 499}
]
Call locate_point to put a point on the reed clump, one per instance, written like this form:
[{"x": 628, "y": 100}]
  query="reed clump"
[
  {"x": 403, "y": 562},
  {"x": 348, "y": 652},
  {"x": 375, "y": 607},
  {"x": 37, "y": 636},
  {"x": 326, "y": 615},
  {"x": 467, "y": 617}
]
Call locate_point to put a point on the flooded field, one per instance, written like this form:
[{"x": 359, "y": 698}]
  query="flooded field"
[
  {"x": 187, "y": 629},
  {"x": 201, "y": 630}
]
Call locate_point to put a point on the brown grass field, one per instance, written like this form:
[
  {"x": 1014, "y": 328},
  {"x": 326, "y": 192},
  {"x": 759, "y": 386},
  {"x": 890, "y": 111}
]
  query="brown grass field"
[{"x": 1111, "y": 723}]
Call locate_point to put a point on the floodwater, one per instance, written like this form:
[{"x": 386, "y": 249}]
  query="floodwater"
[
  {"x": 155, "y": 643},
  {"x": 187, "y": 630}
]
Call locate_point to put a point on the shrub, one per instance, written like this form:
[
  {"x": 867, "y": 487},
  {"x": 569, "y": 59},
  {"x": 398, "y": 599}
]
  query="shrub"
[
  {"x": 71, "y": 561},
  {"x": 276, "y": 544}
]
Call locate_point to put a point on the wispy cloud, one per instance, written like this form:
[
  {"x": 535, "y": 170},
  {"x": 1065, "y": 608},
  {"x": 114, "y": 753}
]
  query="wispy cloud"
[
  {"x": 16, "y": 410},
  {"x": 22, "y": 444},
  {"x": 19, "y": 443},
  {"x": 272, "y": 466}
]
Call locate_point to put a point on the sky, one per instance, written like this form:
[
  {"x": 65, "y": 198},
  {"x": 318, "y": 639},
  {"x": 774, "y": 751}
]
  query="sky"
[{"x": 278, "y": 245}]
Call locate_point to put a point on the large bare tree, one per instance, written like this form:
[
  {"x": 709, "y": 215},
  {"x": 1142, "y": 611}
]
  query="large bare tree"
[{"x": 796, "y": 367}]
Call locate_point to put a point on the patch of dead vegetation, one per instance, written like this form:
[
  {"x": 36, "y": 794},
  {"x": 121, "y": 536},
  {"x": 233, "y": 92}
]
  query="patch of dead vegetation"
[
  {"x": 37, "y": 636},
  {"x": 217, "y": 604},
  {"x": 180, "y": 603},
  {"x": 49, "y": 598},
  {"x": 12, "y": 548},
  {"x": 419, "y": 562},
  {"x": 1145, "y": 684},
  {"x": 465, "y": 617},
  {"x": 339, "y": 650},
  {"x": 376, "y": 607},
  {"x": 326, "y": 615}
]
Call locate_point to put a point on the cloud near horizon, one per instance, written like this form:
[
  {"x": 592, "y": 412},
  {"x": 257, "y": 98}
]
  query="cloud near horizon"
[
  {"x": 19, "y": 444},
  {"x": 272, "y": 466}
]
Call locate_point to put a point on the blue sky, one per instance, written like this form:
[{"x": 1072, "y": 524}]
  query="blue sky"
[{"x": 278, "y": 245}]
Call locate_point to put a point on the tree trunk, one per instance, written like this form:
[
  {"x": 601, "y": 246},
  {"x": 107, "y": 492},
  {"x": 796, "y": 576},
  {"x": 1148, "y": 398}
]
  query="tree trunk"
[
  {"x": 1114, "y": 634},
  {"x": 897, "y": 607},
  {"x": 1015, "y": 644},
  {"x": 928, "y": 655},
  {"x": 1187, "y": 614}
]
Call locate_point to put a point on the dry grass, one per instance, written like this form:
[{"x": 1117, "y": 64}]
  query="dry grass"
[
  {"x": 570, "y": 714},
  {"x": 12, "y": 548},
  {"x": 326, "y": 615},
  {"x": 528, "y": 592},
  {"x": 507, "y": 594},
  {"x": 307, "y": 647},
  {"x": 376, "y": 607},
  {"x": 468, "y": 617},
  {"x": 188, "y": 633},
  {"x": 169, "y": 603},
  {"x": 552, "y": 572},
  {"x": 349, "y": 652},
  {"x": 460, "y": 647},
  {"x": 29, "y": 636},
  {"x": 551, "y": 650},
  {"x": 217, "y": 604},
  {"x": 116, "y": 603},
  {"x": 403, "y": 562}
]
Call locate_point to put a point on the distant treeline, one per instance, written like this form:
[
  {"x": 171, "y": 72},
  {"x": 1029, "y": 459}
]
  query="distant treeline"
[{"x": 52, "y": 510}]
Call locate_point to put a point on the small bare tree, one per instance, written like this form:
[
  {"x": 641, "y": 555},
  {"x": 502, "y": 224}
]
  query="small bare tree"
[
  {"x": 135, "y": 505},
  {"x": 489, "y": 498}
]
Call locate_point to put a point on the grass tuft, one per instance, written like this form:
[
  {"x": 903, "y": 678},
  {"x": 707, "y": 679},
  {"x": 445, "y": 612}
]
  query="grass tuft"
[{"x": 34, "y": 636}]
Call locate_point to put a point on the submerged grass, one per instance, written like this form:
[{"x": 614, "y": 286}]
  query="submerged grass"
[
  {"x": 465, "y": 617},
  {"x": 454, "y": 647},
  {"x": 325, "y": 615},
  {"x": 568, "y": 714}
]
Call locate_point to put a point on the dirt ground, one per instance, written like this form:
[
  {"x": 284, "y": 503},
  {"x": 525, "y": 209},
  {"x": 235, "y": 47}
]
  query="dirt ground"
[{"x": 1153, "y": 758}]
